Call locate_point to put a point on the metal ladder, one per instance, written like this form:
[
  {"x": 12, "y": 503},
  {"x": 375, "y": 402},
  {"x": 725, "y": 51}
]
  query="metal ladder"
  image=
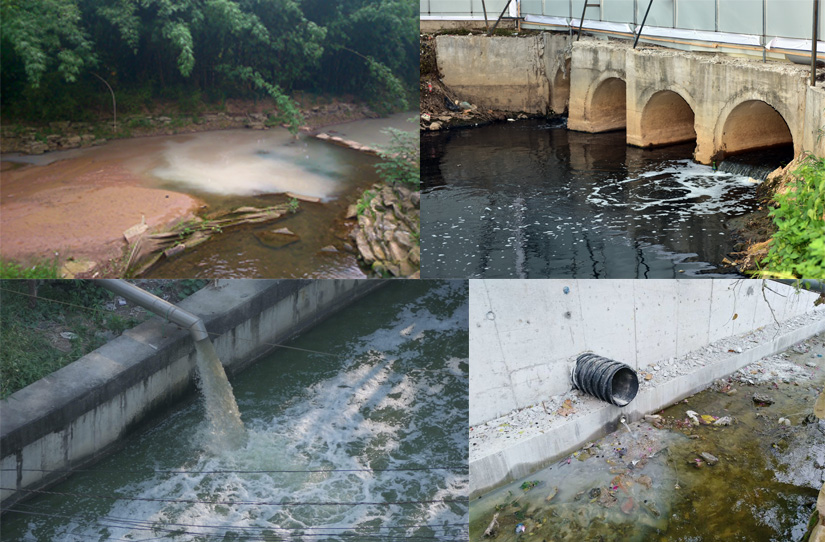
[{"x": 588, "y": 4}]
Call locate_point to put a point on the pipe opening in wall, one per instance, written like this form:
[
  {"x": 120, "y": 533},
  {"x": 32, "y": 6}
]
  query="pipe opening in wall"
[{"x": 606, "y": 379}]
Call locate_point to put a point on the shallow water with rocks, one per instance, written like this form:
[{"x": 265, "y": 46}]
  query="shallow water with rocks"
[{"x": 755, "y": 479}]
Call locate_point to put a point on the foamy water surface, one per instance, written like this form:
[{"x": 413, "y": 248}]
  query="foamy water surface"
[{"x": 392, "y": 396}]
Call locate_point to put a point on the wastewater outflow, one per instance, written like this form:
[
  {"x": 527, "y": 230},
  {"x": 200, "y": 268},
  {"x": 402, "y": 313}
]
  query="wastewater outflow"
[
  {"x": 530, "y": 199},
  {"x": 225, "y": 428},
  {"x": 366, "y": 443}
]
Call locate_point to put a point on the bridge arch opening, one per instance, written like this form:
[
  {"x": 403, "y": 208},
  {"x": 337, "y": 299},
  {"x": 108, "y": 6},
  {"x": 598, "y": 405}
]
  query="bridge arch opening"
[
  {"x": 667, "y": 119},
  {"x": 560, "y": 98},
  {"x": 754, "y": 125},
  {"x": 608, "y": 107}
]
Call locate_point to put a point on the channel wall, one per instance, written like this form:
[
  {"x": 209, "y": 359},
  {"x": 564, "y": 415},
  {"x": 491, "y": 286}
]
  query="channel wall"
[
  {"x": 79, "y": 413},
  {"x": 523, "y": 353}
]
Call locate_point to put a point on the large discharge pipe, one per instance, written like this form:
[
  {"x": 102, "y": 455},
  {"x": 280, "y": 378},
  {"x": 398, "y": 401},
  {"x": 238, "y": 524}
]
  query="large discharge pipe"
[{"x": 158, "y": 306}]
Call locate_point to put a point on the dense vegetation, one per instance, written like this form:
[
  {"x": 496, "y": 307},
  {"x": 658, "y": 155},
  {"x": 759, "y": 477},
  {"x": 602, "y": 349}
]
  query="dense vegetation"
[
  {"x": 797, "y": 248},
  {"x": 57, "y": 53}
]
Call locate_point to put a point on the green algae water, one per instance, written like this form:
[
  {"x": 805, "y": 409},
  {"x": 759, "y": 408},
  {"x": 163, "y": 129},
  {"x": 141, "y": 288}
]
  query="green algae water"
[
  {"x": 366, "y": 443},
  {"x": 754, "y": 480}
]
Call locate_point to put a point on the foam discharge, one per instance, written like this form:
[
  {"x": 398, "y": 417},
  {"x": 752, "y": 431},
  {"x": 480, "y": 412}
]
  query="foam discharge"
[
  {"x": 231, "y": 163},
  {"x": 396, "y": 397}
]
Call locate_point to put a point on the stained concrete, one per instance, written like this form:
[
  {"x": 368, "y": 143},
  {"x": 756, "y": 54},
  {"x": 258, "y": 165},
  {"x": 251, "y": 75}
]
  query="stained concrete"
[
  {"x": 733, "y": 104},
  {"x": 80, "y": 412}
]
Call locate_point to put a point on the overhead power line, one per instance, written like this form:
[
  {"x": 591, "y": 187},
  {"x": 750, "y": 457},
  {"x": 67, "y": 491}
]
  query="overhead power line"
[{"x": 244, "y": 503}]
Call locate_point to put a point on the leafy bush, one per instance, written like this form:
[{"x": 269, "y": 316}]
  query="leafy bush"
[
  {"x": 798, "y": 247},
  {"x": 401, "y": 159}
]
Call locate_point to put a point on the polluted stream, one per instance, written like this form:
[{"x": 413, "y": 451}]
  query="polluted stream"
[
  {"x": 246, "y": 168},
  {"x": 369, "y": 442},
  {"x": 531, "y": 199},
  {"x": 720, "y": 465}
]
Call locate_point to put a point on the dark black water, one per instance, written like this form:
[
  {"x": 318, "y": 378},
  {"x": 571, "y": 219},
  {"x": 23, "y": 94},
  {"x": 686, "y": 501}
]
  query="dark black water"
[{"x": 531, "y": 199}]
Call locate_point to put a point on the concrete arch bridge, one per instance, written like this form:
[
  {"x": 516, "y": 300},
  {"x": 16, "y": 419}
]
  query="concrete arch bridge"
[{"x": 660, "y": 96}]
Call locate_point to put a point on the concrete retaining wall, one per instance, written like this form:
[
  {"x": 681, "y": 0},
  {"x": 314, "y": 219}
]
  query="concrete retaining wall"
[
  {"x": 511, "y": 74},
  {"x": 80, "y": 412},
  {"x": 523, "y": 352}
]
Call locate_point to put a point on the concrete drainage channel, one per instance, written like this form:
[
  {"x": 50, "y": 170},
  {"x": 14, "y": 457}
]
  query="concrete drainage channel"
[
  {"x": 678, "y": 339},
  {"x": 79, "y": 413}
]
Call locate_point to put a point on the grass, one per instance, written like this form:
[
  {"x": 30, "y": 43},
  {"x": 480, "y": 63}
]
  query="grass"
[
  {"x": 45, "y": 269},
  {"x": 30, "y": 333}
]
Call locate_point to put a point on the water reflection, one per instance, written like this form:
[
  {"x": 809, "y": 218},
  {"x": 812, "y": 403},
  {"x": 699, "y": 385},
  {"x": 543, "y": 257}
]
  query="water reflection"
[{"x": 530, "y": 199}]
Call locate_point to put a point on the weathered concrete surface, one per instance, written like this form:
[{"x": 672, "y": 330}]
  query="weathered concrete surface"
[
  {"x": 521, "y": 354},
  {"x": 510, "y": 74},
  {"x": 660, "y": 96},
  {"x": 80, "y": 412}
]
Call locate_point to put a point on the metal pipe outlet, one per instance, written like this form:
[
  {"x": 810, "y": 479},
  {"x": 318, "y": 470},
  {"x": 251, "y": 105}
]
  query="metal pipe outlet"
[
  {"x": 158, "y": 306},
  {"x": 609, "y": 380}
]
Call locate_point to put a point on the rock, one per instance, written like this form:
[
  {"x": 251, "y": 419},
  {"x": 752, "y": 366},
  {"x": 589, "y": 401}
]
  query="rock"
[
  {"x": 810, "y": 364},
  {"x": 397, "y": 253},
  {"x": 164, "y": 119},
  {"x": 762, "y": 399},
  {"x": 552, "y": 494},
  {"x": 254, "y": 125},
  {"x": 709, "y": 458},
  {"x": 364, "y": 247},
  {"x": 408, "y": 269},
  {"x": 301, "y": 197},
  {"x": 352, "y": 211},
  {"x": 72, "y": 142},
  {"x": 277, "y": 238},
  {"x": 37, "y": 148},
  {"x": 784, "y": 421},
  {"x": 330, "y": 249},
  {"x": 724, "y": 420},
  {"x": 732, "y": 392},
  {"x": 435, "y": 126},
  {"x": 645, "y": 480},
  {"x": 415, "y": 255}
]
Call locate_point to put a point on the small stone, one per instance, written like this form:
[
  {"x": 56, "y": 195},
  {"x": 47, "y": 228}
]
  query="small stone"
[
  {"x": 330, "y": 249},
  {"x": 711, "y": 459},
  {"x": 552, "y": 494},
  {"x": 435, "y": 126},
  {"x": 174, "y": 251},
  {"x": 810, "y": 364},
  {"x": 732, "y": 392},
  {"x": 761, "y": 398},
  {"x": 68, "y": 335}
]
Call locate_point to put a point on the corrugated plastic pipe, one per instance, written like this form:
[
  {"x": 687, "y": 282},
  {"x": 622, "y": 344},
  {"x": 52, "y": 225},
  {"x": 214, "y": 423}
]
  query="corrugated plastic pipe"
[
  {"x": 158, "y": 306},
  {"x": 606, "y": 379}
]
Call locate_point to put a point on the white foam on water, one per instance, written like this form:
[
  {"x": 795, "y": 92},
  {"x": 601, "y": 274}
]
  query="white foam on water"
[{"x": 239, "y": 164}]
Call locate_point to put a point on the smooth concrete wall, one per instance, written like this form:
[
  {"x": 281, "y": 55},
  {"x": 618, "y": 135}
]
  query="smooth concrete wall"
[
  {"x": 510, "y": 74},
  {"x": 522, "y": 352},
  {"x": 80, "y": 412}
]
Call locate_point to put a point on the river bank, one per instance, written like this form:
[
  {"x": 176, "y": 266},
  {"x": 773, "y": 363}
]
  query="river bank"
[{"x": 72, "y": 192}]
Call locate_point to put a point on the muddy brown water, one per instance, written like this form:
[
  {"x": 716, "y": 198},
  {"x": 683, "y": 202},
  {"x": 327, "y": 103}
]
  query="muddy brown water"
[
  {"x": 163, "y": 179},
  {"x": 764, "y": 486}
]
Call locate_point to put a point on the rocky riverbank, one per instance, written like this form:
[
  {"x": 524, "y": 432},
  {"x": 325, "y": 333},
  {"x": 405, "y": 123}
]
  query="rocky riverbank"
[
  {"x": 255, "y": 115},
  {"x": 387, "y": 232}
]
